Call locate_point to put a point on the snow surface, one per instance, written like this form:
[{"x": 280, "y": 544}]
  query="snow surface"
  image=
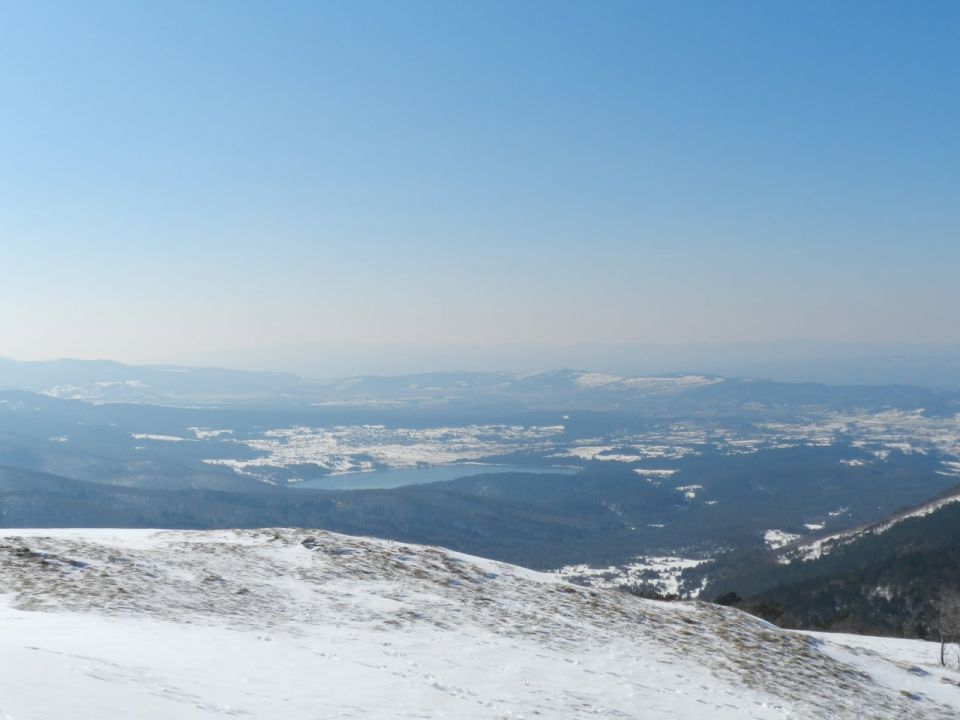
[
  {"x": 775, "y": 539},
  {"x": 660, "y": 574},
  {"x": 158, "y": 438},
  {"x": 118, "y": 624},
  {"x": 654, "y": 472}
]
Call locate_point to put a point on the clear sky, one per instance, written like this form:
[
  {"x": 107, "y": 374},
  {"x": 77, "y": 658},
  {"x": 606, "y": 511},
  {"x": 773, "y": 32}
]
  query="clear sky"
[{"x": 251, "y": 182}]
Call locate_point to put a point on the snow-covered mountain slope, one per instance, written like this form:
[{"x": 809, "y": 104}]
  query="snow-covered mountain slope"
[
  {"x": 806, "y": 550},
  {"x": 112, "y": 624}
]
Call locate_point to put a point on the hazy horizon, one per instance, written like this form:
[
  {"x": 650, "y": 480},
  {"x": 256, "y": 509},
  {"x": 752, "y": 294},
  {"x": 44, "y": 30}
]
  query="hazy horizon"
[{"x": 936, "y": 366}]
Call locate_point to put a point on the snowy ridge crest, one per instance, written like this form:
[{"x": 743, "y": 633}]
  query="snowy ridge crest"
[
  {"x": 791, "y": 551},
  {"x": 306, "y": 624}
]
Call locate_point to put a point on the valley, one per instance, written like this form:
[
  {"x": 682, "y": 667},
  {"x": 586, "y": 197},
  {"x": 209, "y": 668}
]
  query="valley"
[{"x": 686, "y": 486}]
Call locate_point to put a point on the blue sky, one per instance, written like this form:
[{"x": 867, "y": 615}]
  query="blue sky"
[{"x": 253, "y": 183}]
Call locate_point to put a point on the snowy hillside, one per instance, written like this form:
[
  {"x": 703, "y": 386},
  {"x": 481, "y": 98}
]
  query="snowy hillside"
[
  {"x": 794, "y": 550},
  {"x": 111, "y": 624}
]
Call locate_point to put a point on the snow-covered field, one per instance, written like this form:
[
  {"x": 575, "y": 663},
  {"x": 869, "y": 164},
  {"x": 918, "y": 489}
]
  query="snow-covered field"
[
  {"x": 111, "y": 624},
  {"x": 358, "y": 448},
  {"x": 654, "y": 453},
  {"x": 775, "y": 539},
  {"x": 667, "y": 384},
  {"x": 662, "y": 575},
  {"x": 874, "y": 434}
]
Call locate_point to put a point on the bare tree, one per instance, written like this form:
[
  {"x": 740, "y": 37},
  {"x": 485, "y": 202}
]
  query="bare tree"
[{"x": 949, "y": 621}]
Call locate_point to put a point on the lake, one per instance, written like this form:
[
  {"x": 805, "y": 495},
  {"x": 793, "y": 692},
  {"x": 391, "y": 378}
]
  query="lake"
[{"x": 416, "y": 476}]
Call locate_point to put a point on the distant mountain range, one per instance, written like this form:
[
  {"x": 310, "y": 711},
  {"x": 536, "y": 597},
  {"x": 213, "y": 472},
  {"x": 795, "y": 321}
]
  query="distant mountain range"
[
  {"x": 108, "y": 381},
  {"x": 104, "y": 381}
]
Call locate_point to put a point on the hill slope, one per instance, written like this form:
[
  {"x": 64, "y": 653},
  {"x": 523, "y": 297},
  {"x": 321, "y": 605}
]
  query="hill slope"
[
  {"x": 884, "y": 578},
  {"x": 298, "y": 624}
]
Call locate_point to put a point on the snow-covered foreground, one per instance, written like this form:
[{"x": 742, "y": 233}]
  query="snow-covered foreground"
[{"x": 111, "y": 624}]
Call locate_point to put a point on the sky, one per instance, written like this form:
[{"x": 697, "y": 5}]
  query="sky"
[{"x": 273, "y": 183}]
